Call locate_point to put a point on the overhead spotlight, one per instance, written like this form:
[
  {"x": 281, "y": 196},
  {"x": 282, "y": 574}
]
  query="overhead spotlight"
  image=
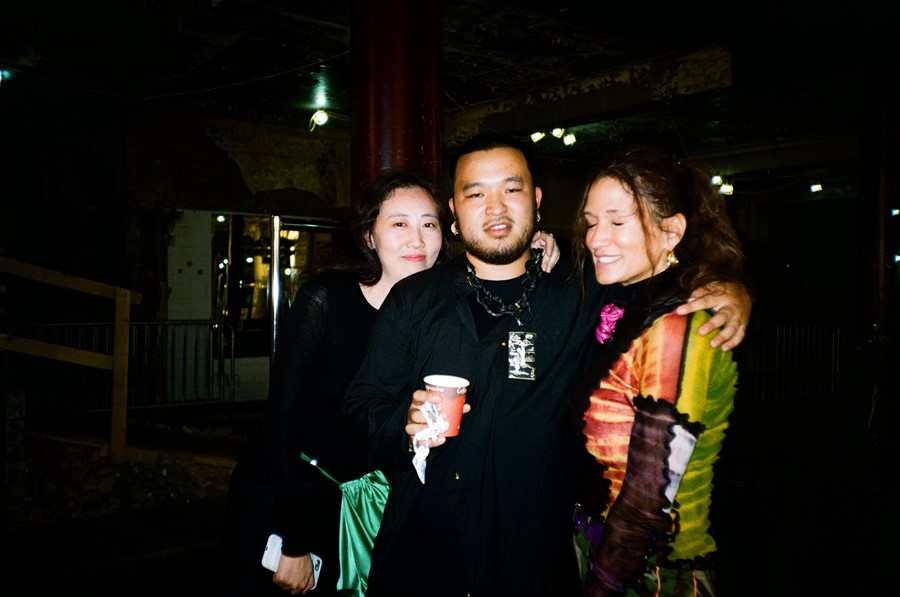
[
  {"x": 569, "y": 138},
  {"x": 535, "y": 137},
  {"x": 319, "y": 117},
  {"x": 716, "y": 181},
  {"x": 895, "y": 212},
  {"x": 815, "y": 187},
  {"x": 726, "y": 188},
  {"x": 558, "y": 133}
]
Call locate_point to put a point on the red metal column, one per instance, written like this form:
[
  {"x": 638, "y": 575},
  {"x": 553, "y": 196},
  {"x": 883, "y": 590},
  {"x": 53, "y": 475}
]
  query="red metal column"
[{"x": 396, "y": 117}]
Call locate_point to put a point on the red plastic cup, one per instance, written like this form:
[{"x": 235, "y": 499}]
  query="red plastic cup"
[{"x": 454, "y": 391}]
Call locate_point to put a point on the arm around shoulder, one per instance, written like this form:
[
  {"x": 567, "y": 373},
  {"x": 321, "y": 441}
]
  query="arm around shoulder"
[{"x": 731, "y": 304}]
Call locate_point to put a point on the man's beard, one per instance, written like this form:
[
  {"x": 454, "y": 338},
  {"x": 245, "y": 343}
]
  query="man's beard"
[{"x": 502, "y": 254}]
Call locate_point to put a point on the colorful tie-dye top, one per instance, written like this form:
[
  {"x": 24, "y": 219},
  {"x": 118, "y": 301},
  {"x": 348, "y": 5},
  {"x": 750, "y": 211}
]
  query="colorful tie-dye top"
[{"x": 666, "y": 360}]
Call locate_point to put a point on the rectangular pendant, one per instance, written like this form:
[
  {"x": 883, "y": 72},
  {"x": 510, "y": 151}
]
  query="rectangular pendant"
[{"x": 521, "y": 355}]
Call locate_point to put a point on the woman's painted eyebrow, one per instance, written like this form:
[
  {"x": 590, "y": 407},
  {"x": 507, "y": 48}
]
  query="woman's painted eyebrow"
[{"x": 427, "y": 214}]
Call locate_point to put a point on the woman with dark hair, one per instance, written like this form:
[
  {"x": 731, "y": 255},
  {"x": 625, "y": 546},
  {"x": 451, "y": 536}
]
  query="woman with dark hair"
[
  {"x": 654, "y": 406},
  {"x": 397, "y": 231}
]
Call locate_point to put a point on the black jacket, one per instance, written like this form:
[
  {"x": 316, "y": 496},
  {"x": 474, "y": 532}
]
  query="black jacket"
[{"x": 508, "y": 478}]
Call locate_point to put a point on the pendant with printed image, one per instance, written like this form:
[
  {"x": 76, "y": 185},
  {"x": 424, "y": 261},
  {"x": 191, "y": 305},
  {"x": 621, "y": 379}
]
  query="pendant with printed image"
[{"x": 522, "y": 355}]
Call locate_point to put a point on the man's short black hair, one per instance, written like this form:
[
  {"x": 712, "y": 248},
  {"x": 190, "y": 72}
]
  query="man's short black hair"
[{"x": 484, "y": 142}]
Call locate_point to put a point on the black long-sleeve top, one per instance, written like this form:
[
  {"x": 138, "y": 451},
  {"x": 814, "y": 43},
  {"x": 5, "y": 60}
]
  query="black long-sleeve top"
[
  {"x": 508, "y": 480},
  {"x": 318, "y": 349}
]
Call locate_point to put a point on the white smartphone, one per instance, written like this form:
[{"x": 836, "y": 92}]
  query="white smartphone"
[{"x": 272, "y": 555}]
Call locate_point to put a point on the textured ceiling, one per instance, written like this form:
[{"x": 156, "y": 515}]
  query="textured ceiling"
[{"x": 763, "y": 86}]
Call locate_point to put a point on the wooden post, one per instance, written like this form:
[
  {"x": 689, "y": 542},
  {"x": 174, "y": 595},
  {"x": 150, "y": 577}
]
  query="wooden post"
[{"x": 120, "y": 375}]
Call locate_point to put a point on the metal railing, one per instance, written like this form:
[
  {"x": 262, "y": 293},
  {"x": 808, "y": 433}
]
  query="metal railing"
[
  {"x": 793, "y": 362},
  {"x": 193, "y": 361},
  {"x": 169, "y": 362}
]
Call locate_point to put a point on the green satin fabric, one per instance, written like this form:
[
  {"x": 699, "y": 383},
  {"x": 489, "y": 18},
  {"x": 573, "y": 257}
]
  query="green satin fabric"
[
  {"x": 362, "y": 506},
  {"x": 361, "y": 510}
]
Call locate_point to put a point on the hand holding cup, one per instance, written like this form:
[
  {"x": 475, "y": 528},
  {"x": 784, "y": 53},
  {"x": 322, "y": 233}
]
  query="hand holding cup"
[
  {"x": 452, "y": 404},
  {"x": 417, "y": 423}
]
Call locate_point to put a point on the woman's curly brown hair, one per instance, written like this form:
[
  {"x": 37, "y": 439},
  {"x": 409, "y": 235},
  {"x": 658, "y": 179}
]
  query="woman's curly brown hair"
[{"x": 662, "y": 186}]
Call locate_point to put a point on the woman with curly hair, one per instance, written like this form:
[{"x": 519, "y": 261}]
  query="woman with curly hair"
[{"x": 654, "y": 406}]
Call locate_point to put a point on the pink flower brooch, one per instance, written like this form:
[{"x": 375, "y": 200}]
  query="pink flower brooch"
[{"x": 609, "y": 315}]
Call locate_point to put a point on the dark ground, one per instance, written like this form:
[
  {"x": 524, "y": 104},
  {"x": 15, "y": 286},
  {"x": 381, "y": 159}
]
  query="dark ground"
[
  {"x": 800, "y": 509},
  {"x": 165, "y": 551},
  {"x": 145, "y": 527}
]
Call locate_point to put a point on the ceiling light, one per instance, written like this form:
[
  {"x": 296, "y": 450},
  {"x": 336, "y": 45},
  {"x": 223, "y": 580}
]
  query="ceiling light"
[
  {"x": 726, "y": 188},
  {"x": 815, "y": 187},
  {"x": 569, "y": 138},
  {"x": 319, "y": 117},
  {"x": 716, "y": 180},
  {"x": 558, "y": 133},
  {"x": 535, "y": 137}
]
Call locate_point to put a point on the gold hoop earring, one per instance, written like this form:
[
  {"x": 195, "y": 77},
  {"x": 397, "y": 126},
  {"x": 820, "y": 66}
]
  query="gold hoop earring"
[
  {"x": 454, "y": 229},
  {"x": 671, "y": 259}
]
